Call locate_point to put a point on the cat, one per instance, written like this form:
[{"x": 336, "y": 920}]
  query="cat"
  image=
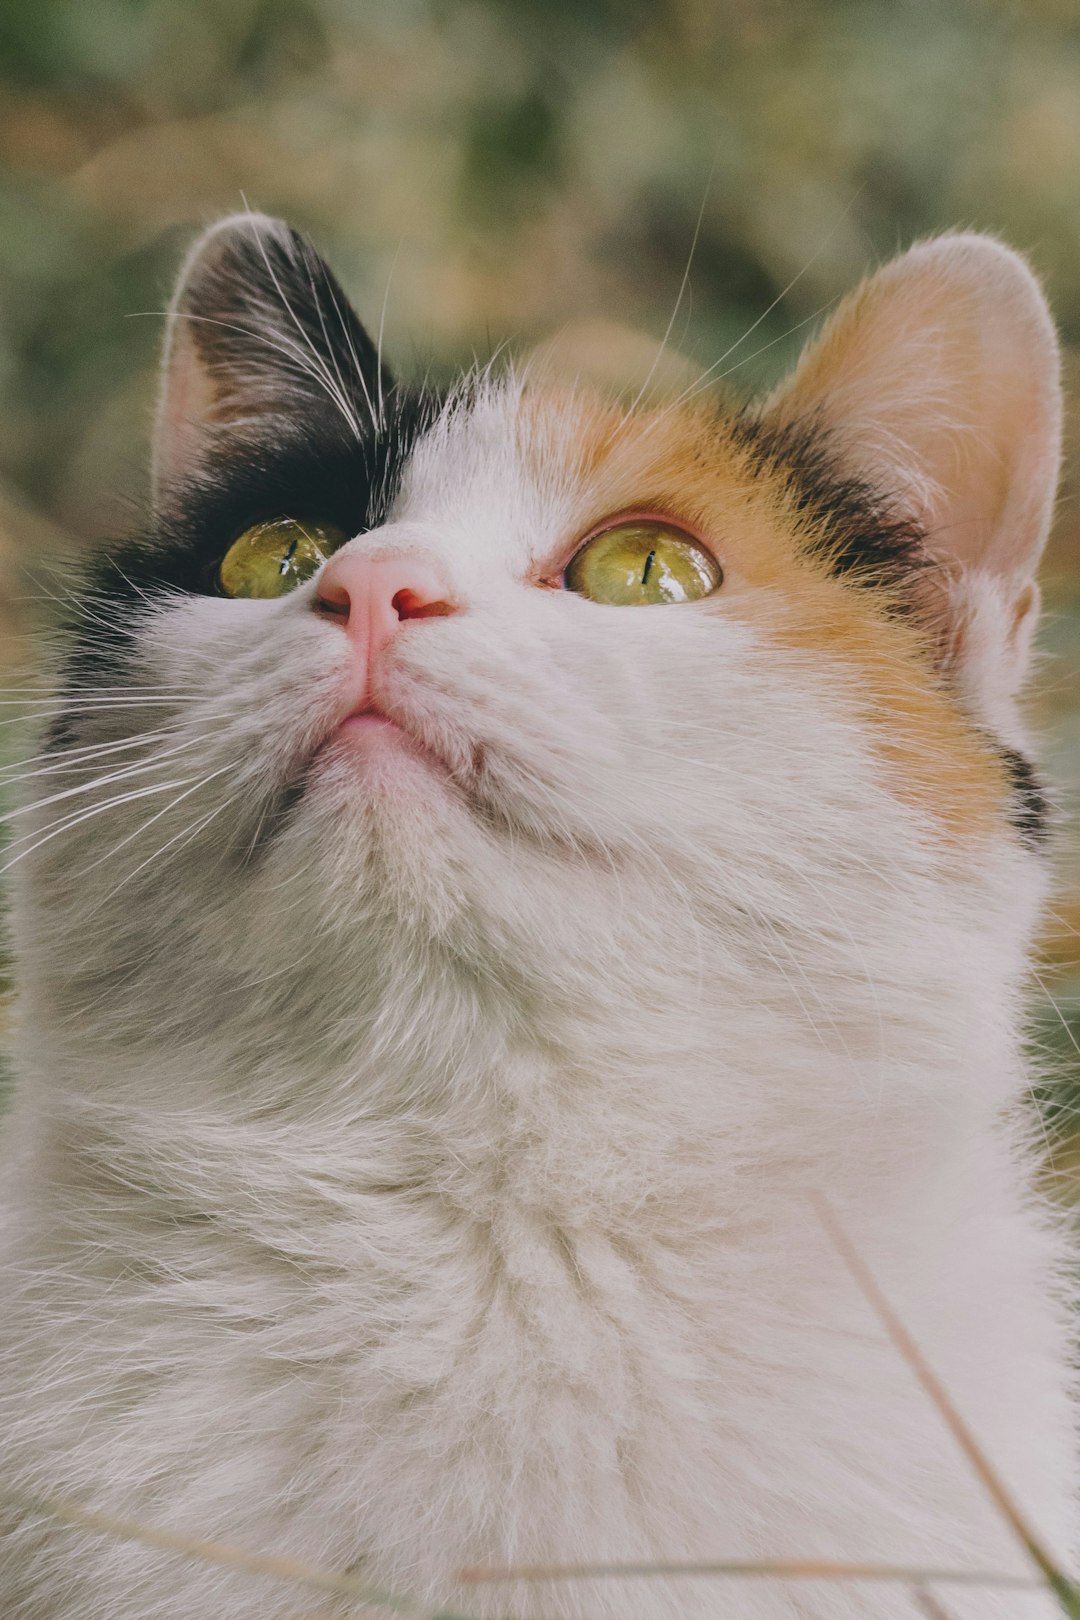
[{"x": 447, "y": 988}]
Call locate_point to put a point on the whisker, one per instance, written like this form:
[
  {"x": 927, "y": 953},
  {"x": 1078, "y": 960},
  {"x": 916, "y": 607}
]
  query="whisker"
[
  {"x": 382, "y": 324},
  {"x": 334, "y": 390},
  {"x": 643, "y": 390},
  {"x": 61, "y": 702},
  {"x": 69, "y": 759},
  {"x": 70, "y": 601},
  {"x": 181, "y": 840},
  {"x": 344, "y": 326},
  {"x": 87, "y": 815},
  {"x": 781, "y": 337},
  {"x": 130, "y": 838},
  {"x": 40, "y": 684},
  {"x": 125, "y": 773},
  {"x": 291, "y": 353}
]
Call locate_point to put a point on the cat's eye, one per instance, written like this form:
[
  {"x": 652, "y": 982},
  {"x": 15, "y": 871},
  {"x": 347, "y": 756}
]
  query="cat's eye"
[
  {"x": 641, "y": 563},
  {"x": 273, "y": 558}
]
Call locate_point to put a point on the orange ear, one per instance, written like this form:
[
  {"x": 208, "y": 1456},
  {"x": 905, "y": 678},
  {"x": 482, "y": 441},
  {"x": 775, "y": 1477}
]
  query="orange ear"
[
  {"x": 938, "y": 381},
  {"x": 939, "y": 378}
]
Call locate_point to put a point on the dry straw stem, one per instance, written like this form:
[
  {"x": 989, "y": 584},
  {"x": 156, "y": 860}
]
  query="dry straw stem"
[
  {"x": 1064, "y": 1589},
  {"x": 781, "y": 1569},
  {"x": 219, "y": 1552},
  {"x": 289, "y": 1569}
]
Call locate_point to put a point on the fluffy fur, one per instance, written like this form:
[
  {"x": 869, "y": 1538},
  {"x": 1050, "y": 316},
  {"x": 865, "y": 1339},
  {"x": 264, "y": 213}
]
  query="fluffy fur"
[{"x": 414, "y": 1152}]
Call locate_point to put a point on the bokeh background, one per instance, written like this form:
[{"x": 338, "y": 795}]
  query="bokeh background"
[{"x": 483, "y": 170}]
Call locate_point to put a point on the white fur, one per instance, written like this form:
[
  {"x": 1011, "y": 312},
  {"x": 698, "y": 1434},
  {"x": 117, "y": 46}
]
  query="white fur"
[{"x": 433, "y": 1187}]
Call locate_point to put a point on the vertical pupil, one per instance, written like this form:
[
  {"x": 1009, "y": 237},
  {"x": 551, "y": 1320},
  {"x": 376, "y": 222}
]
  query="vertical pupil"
[
  {"x": 648, "y": 567},
  {"x": 288, "y": 557}
]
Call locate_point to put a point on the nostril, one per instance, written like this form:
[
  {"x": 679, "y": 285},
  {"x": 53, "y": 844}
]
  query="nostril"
[
  {"x": 371, "y": 597},
  {"x": 412, "y": 605},
  {"x": 333, "y": 599}
]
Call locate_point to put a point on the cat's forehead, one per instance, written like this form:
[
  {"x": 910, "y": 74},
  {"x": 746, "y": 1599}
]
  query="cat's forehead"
[
  {"x": 478, "y": 483},
  {"x": 511, "y": 467}
]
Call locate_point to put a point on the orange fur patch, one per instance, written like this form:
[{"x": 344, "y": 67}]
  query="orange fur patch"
[{"x": 686, "y": 462}]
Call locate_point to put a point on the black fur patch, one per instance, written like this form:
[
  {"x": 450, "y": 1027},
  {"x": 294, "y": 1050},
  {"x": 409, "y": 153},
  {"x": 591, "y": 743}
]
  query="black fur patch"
[
  {"x": 857, "y": 530},
  {"x": 1030, "y": 810},
  {"x": 335, "y": 480},
  {"x": 305, "y": 424}
]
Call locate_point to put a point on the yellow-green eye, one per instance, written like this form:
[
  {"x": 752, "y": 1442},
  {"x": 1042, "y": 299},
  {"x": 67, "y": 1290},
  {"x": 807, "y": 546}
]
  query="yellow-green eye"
[
  {"x": 273, "y": 558},
  {"x": 640, "y": 563}
]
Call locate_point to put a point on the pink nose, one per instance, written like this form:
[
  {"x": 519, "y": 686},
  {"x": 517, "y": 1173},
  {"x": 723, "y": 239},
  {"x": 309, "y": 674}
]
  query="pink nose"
[{"x": 371, "y": 597}]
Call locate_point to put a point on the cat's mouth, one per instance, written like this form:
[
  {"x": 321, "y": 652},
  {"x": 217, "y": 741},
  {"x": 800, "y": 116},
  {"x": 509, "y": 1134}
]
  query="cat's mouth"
[
  {"x": 368, "y": 733},
  {"x": 363, "y": 724},
  {"x": 364, "y": 740},
  {"x": 369, "y": 746}
]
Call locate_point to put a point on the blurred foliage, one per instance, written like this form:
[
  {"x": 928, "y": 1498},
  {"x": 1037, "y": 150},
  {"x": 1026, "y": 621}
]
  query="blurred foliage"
[{"x": 494, "y": 168}]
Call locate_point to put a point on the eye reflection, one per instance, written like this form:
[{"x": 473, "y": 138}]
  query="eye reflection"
[
  {"x": 643, "y": 564},
  {"x": 271, "y": 559}
]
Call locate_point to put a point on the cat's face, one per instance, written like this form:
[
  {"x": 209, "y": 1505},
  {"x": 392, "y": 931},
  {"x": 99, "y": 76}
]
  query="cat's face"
[{"x": 526, "y": 679}]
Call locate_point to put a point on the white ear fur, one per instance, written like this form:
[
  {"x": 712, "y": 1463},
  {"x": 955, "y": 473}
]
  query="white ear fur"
[{"x": 938, "y": 381}]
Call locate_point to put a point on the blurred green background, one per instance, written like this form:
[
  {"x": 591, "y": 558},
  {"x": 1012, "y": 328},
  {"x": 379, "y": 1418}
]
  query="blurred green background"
[{"x": 493, "y": 169}]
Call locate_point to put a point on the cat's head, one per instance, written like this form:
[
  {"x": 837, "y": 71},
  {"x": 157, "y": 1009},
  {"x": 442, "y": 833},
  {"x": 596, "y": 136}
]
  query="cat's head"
[{"x": 518, "y": 680}]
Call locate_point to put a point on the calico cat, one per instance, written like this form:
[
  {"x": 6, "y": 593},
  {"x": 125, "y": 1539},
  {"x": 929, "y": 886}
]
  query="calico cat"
[{"x": 445, "y": 985}]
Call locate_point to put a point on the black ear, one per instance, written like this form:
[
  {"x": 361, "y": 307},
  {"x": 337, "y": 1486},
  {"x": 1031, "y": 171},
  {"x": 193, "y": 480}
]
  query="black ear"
[{"x": 261, "y": 349}]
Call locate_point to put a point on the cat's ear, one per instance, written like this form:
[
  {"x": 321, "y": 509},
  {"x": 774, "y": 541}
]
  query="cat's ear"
[
  {"x": 938, "y": 384},
  {"x": 261, "y": 347}
]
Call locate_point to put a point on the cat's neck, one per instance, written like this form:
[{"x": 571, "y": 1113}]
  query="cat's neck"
[{"x": 586, "y": 1075}]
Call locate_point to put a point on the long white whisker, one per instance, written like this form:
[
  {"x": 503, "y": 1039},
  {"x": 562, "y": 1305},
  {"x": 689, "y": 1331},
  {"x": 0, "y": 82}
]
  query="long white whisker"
[
  {"x": 643, "y": 390},
  {"x": 382, "y": 324},
  {"x": 70, "y": 759},
  {"x": 77, "y": 703},
  {"x": 48, "y": 688},
  {"x": 343, "y": 324},
  {"x": 181, "y": 840},
  {"x": 87, "y": 815},
  {"x": 130, "y": 583},
  {"x": 796, "y": 278},
  {"x": 62, "y": 710},
  {"x": 72, "y": 602},
  {"x": 334, "y": 390},
  {"x": 699, "y": 383},
  {"x": 781, "y": 337},
  {"x": 126, "y": 773},
  {"x": 294, "y": 354},
  {"x": 194, "y": 787}
]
